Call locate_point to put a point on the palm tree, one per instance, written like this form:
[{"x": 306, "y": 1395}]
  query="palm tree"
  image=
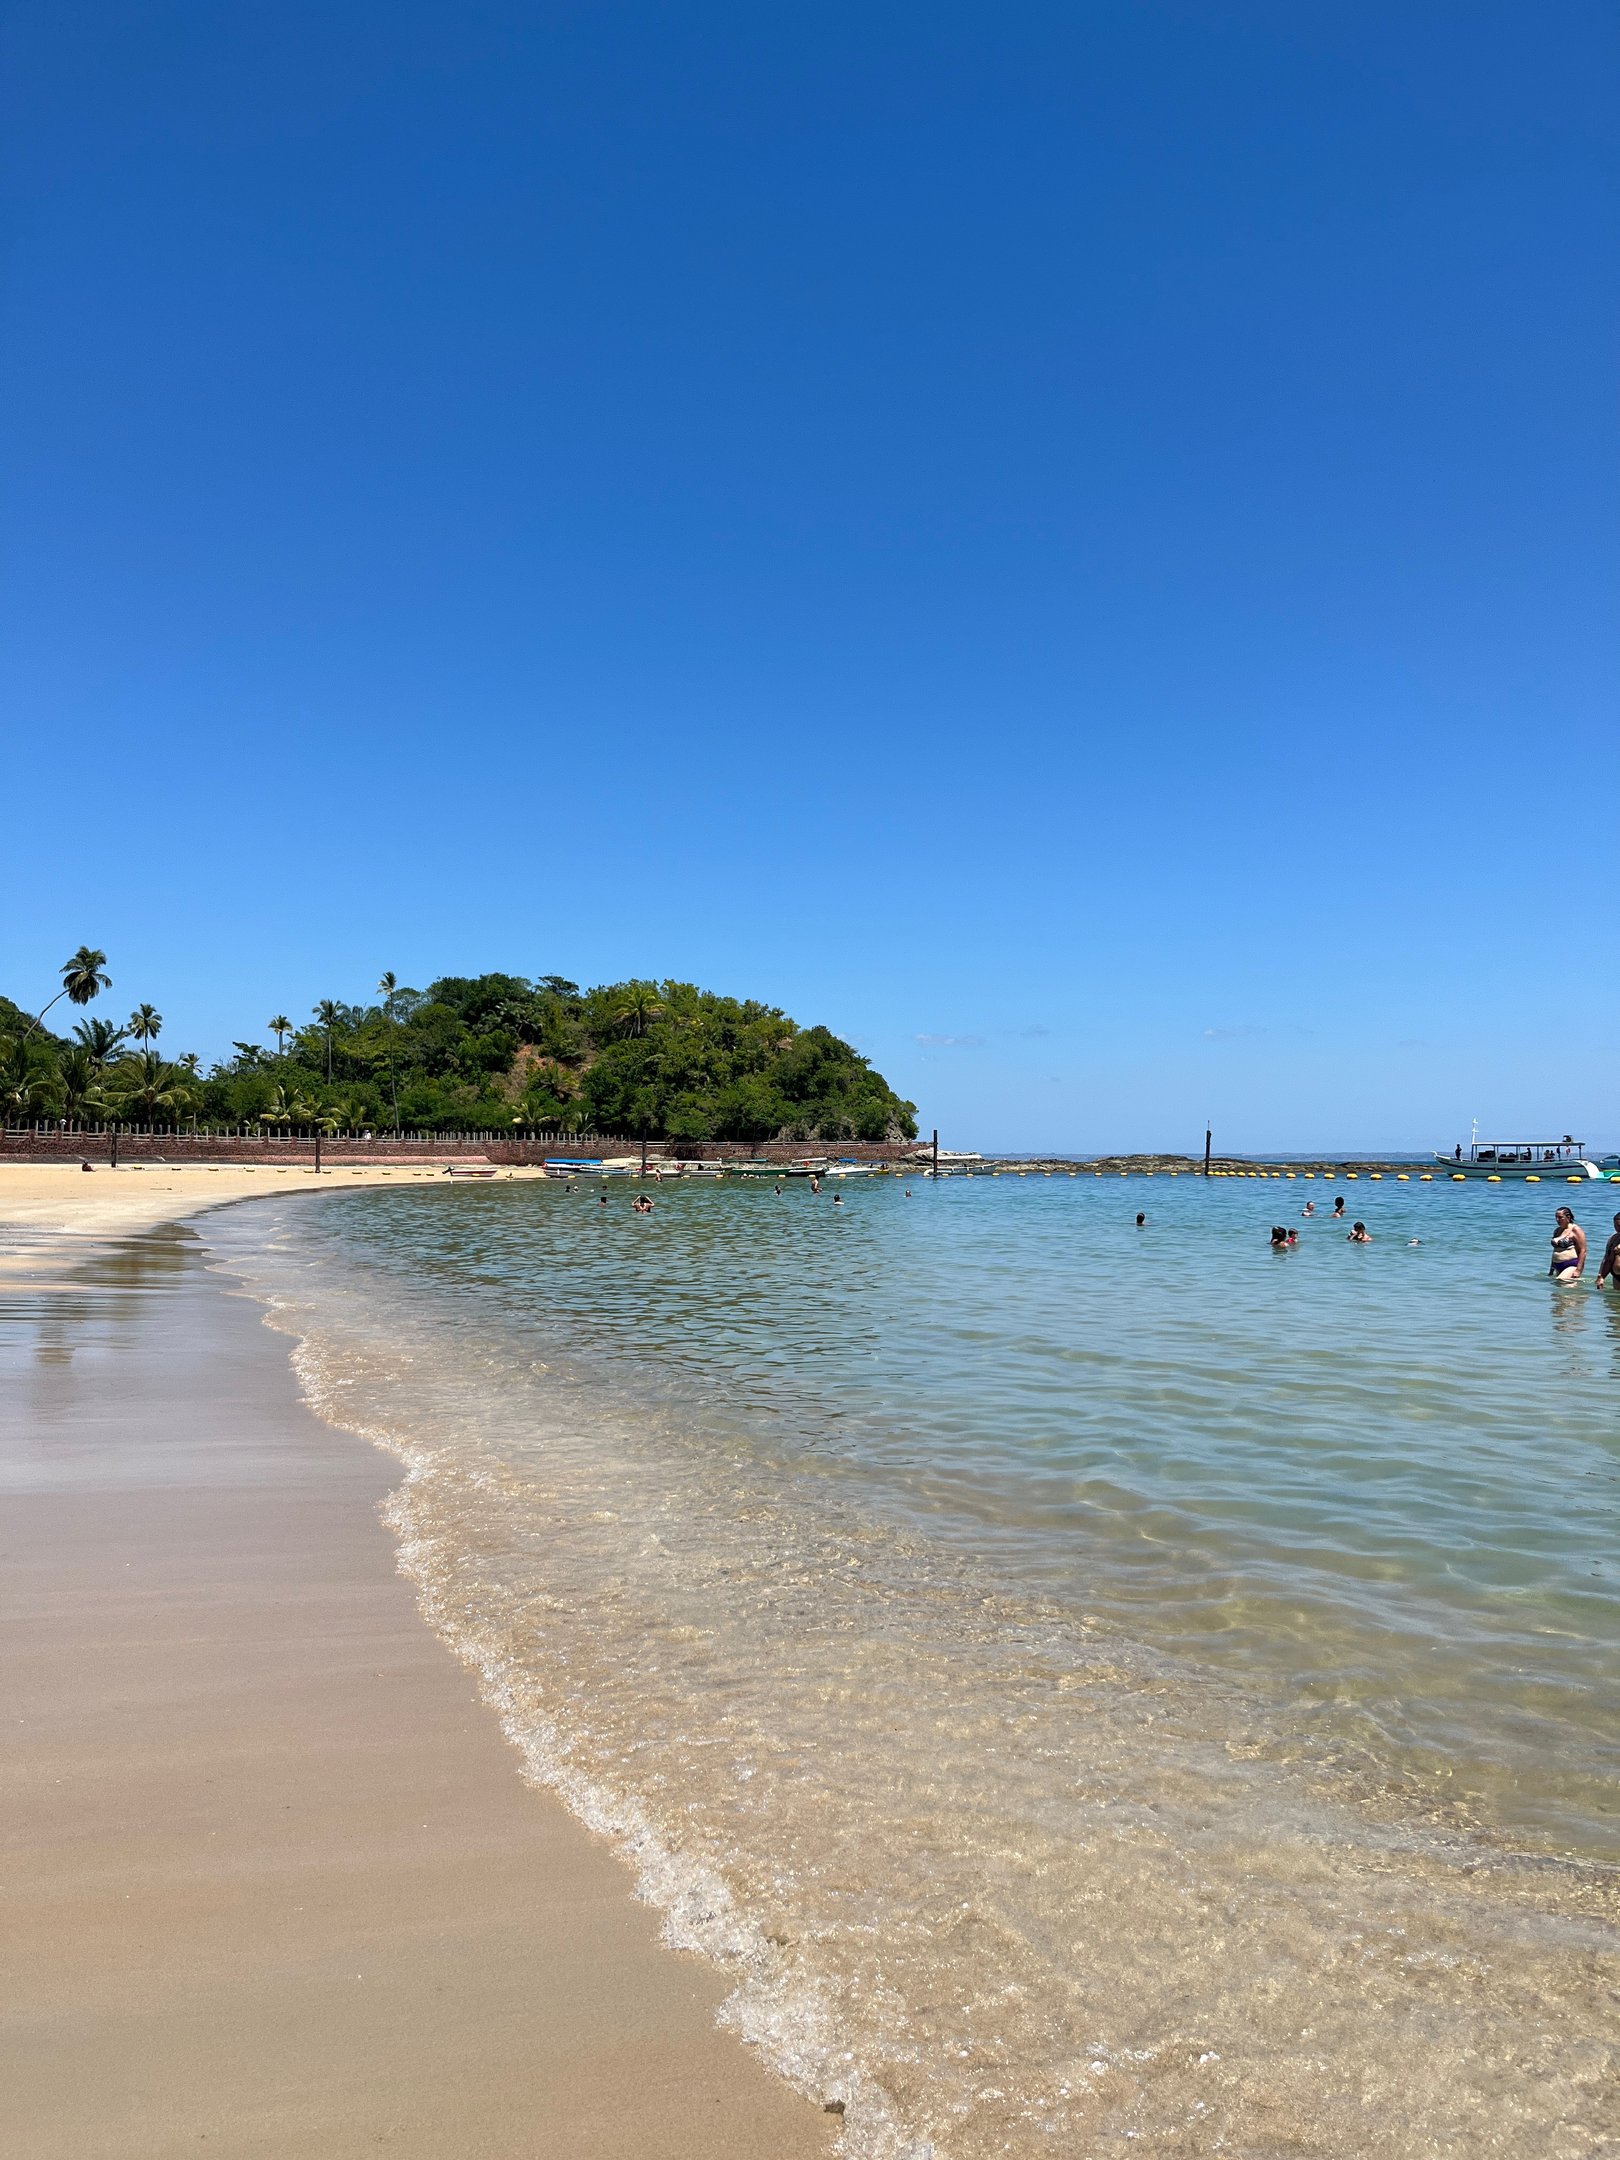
[
  {"x": 145, "y": 1024},
  {"x": 83, "y": 978},
  {"x": 280, "y": 1027},
  {"x": 99, "y": 1039},
  {"x": 388, "y": 984},
  {"x": 285, "y": 1109},
  {"x": 328, "y": 1014},
  {"x": 634, "y": 1006},
  {"x": 146, "y": 1086},
  {"x": 80, "y": 1074},
  {"x": 341, "y": 1116},
  {"x": 29, "y": 1085}
]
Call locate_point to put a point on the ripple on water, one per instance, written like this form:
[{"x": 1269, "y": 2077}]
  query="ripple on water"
[{"x": 1079, "y": 1689}]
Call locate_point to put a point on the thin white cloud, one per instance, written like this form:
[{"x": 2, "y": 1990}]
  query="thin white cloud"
[{"x": 951, "y": 1042}]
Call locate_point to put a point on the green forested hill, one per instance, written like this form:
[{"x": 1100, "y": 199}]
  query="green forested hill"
[{"x": 478, "y": 1052}]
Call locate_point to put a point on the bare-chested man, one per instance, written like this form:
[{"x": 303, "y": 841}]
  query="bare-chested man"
[{"x": 1609, "y": 1271}]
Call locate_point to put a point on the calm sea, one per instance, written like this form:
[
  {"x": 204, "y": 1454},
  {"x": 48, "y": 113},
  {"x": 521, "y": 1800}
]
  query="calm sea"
[{"x": 1085, "y": 1683}]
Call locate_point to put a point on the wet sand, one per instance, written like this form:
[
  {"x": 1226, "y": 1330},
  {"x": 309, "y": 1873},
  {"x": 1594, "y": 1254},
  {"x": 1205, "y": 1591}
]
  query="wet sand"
[{"x": 273, "y": 1883}]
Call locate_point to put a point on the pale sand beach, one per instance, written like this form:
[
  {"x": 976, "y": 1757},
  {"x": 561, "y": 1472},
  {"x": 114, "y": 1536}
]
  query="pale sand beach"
[
  {"x": 51, "y": 1211},
  {"x": 274, "y": 1883}
]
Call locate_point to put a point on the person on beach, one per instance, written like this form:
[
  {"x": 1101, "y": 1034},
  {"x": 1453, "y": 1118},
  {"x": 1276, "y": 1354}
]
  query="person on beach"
[
  {"x": 1359, "y": 1234},
  {"x": 1610, "y": 1270},
  {"x": 1338, "y": 1208},
  {"x": 1568, "y": 1249}
]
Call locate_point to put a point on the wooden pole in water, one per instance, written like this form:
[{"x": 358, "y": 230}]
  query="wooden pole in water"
[
  {"x": 936, "y": 1151},
  {"x": 1208, "y": 1136}
]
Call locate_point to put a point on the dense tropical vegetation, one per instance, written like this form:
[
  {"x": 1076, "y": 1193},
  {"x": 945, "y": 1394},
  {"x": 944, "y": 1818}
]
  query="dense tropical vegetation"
[{"x": 468, "y": 1053}]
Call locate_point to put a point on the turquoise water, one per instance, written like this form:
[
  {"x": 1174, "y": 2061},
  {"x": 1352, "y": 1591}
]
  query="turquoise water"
[{"x": 1029, "y": 1650}]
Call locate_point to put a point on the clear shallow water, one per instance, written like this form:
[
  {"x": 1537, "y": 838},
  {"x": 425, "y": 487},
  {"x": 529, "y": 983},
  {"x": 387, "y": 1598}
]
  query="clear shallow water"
[{"x": 1086, "y": 1683}]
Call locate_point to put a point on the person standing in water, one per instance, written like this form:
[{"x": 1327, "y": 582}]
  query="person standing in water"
[
  {"x": 1568, "y": 1249},
  {"x": 1309, "y": 1208},
  {"x": 1338, "y": 1207},
  {"x": 1359, "y": 1234},
  {"x": 1610, "y": 1270},
  {"x": 1141, "y": 1222}
]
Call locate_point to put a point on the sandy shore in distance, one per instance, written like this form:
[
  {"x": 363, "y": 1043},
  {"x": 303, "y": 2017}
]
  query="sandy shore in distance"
[
  {"x": 53, "y": 1211},
  {"x": 273, "y": 1883}
]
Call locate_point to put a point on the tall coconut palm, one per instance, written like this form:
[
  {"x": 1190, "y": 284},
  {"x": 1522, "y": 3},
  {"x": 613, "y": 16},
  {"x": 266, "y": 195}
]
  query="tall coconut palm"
[
  {"x": 280, "y": 1027},
  {"x": 83, "y": 977},
  {"x": 328, "y": 1013},
  {"x": 99, "y": 1039},
  {"x": 145, "y": 1023},
  {"x": 388, "y": 984}
]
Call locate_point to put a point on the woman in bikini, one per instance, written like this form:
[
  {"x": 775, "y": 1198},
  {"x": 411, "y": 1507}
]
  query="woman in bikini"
[{"x": 1568, "y": 1249}]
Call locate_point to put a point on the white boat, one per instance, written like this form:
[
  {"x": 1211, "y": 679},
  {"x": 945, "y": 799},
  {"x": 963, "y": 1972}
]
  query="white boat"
[{"x": 1501, "y": 1160}]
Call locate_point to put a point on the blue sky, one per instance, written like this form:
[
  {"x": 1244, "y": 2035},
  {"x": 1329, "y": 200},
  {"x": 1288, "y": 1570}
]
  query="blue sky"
[{"x": 1076, "y": 544}]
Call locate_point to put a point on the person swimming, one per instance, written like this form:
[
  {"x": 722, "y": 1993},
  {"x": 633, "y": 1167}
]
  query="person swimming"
[
  {"x": 1568, "y": 1249},
  {"x": 1359, "y": 1234},
  {"x": 838, "y": 1199},
  {"x": 1338, "y": 1208},
  {"x": 1141, "y": 1222},
  {"x": 1309, "y": 1208}
]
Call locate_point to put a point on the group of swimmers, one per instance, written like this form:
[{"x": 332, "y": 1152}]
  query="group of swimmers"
[{"x": 1568, "y": 1262}]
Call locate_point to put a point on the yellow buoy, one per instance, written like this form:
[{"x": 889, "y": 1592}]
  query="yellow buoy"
[
  {"x": 1532, "y": 1177},
  {"x": 1574, "y": 1181},
  {"x": 1457, "y": 1178},
  {"x": 1426, "y": 1177},
  {"x": 1377, "y": 1176},
  {"x": 1403, "y": 1177},
  {"x": 1492, "y": 1178}
]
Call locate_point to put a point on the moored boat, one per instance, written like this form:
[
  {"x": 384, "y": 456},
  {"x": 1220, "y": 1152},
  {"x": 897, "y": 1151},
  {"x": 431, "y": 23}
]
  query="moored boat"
[{"x": 1500, "y": 1160}]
